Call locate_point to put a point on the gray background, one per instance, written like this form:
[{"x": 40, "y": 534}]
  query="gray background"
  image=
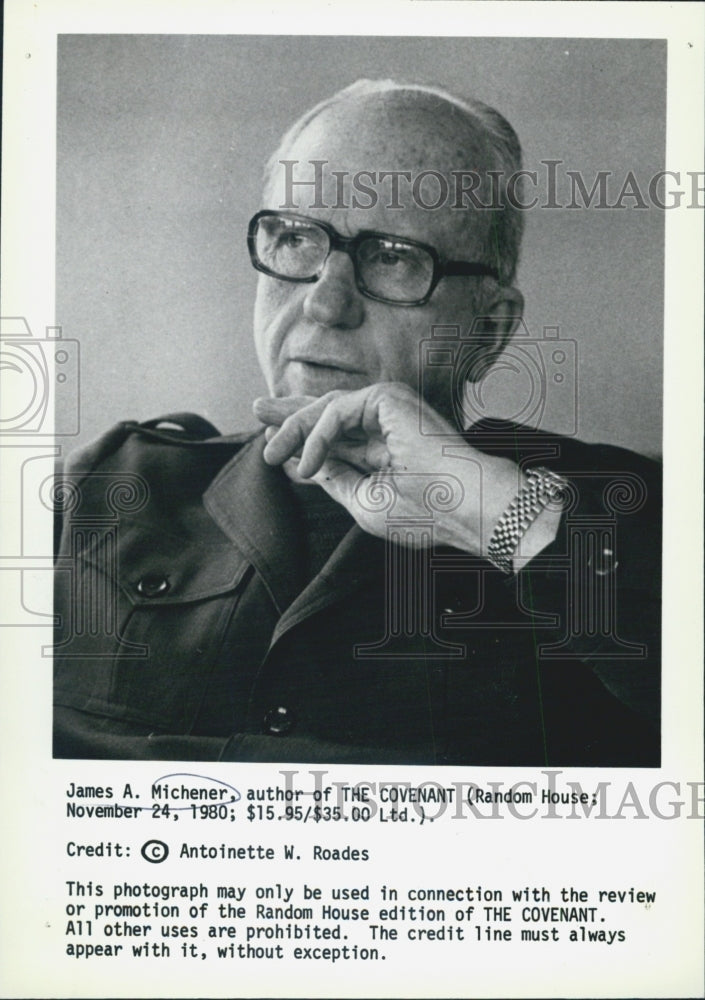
[{"x": 161, "y": 142}]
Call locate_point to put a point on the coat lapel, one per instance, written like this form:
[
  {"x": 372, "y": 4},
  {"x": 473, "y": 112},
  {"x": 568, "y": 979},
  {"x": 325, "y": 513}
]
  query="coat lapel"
[
  {"x": 355, "y": 561},
  {"x": 248, "y": 501},
  {"x": 252, "y": 504}
]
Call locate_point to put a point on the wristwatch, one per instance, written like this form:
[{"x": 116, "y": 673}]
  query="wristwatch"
[{"x": 543, "y": 487}]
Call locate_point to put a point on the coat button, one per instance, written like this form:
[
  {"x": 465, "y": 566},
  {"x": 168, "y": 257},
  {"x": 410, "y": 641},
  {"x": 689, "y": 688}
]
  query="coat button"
[
  {"x": 153, "y": 585},
  {"x": 279, "y": 721}
]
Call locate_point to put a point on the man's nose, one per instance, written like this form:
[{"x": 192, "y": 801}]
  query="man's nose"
[{"x": 334, "y": 299}]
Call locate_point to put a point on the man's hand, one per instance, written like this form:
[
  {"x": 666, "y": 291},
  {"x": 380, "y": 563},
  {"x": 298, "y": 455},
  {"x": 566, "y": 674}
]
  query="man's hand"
[{"x": 360, "y": 445}]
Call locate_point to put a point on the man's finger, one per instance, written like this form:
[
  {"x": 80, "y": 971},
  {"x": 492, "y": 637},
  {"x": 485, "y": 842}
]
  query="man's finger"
[
  {"x": 360, "y": 455},
  {"x": 315, "y": 430},
  {"x": 342, "y": 416},
  {"x": 319, "y": 441},
  {"x": 273, "y": 410},
  {"x": 285, "y": 442},
  {"x": 292, "y": 433}
]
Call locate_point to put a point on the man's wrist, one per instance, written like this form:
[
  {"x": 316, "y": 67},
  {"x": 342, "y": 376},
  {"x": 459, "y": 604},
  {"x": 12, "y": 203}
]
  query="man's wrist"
[{"x": 491, "y": 484}]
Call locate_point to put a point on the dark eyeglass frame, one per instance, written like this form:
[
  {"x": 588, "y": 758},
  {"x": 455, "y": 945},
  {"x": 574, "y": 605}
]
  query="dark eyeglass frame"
[{"x": 442, "y": 268}]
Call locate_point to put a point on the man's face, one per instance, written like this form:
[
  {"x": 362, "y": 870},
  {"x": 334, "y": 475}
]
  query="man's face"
[{"x": 312, "y": 338}]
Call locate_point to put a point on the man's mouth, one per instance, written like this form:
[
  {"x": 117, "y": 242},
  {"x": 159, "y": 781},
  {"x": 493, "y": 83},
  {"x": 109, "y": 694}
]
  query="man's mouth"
[{"x": 327, "y": 364}]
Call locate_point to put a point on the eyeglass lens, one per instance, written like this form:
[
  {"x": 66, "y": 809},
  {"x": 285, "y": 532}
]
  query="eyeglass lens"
[{"x": 387, "y": 267}]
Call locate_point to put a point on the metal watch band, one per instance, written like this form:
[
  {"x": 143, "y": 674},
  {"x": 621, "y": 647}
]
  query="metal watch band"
[{"x": 542, "y": 487}]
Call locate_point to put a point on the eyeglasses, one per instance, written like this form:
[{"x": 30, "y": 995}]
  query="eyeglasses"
[{"x": 388, "y": 268}]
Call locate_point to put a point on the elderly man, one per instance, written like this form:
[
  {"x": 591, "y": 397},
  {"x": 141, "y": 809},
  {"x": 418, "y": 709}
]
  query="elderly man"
[{"x": 366, "y": 579}]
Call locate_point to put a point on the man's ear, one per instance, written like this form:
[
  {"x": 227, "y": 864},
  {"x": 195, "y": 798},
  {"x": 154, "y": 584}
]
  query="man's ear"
[
  {"x": 492, "y": 329},
  {"x": 501, "y": 316}
]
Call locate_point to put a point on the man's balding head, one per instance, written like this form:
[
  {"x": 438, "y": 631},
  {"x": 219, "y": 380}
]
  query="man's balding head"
[
  {"x": 441, "y": 132},
  {"x": 324, "y": 326}
]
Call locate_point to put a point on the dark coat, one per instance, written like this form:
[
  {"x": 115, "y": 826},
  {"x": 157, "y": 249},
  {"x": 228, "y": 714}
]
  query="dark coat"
[{"x": 184, "y": 631}]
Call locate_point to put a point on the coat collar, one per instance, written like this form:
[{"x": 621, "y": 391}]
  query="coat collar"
[{"x": 251, "y": 503}]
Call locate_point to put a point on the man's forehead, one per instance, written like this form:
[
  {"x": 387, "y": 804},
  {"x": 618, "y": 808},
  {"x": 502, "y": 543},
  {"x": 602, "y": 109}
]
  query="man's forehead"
[
  {"x": 396, "y": 130},
  {"x": 395, "y": 161}
]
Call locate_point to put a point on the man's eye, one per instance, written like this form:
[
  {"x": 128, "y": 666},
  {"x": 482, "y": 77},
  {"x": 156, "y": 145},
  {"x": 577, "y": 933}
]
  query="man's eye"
[
  {"x": 388, "y": 252},
  {"x": 388, "y": 258},
  {"x": 293, "y": 250},
  {"x": 393, "y": 258},
  {"x": 298, "y": 240},
  {"x": 291, "y": 240}
]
